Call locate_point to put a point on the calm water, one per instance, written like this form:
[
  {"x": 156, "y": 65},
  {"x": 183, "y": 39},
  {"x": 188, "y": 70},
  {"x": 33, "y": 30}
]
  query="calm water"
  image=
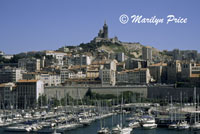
[{"x": 95, "y": 126}]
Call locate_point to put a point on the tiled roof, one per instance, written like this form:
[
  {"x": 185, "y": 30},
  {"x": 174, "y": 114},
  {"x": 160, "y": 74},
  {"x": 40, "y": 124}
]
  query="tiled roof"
[{"x": 27, "y": 81}]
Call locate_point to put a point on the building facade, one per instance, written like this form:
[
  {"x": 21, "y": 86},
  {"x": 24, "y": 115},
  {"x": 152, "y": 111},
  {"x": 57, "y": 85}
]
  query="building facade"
[
  {"x": 147, "y": 53},
  {"x": 10, "y": 74},
  {"x": 28, "y": 92}
]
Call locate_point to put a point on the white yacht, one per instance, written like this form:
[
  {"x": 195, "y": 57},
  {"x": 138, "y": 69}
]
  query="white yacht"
[
  {"x": 149, "y": 124},
  {"x": 85, "y": 122},
  {"x": 119, "y": 130},
  {"x": 173, "y": 126},
  {"x": 18, "y": 128},
  {"x": 27, "y": 116},
  {"x": 126, "y": 130},
  {"x": 134, "y": 124},
  {"x": 104, "y": 131},
  {"x": 183, "y": 125}
]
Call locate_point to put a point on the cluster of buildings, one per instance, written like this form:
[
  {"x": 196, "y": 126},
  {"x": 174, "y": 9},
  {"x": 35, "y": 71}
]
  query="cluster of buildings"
[{"x": 21, "y": 84}]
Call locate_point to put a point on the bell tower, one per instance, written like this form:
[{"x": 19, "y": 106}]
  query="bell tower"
[{"x": 105, "y": 30}]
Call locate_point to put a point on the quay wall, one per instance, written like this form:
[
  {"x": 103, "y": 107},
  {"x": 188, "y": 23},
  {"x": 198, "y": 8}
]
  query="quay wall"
[
  {"x": 165, "y": 92},
  {"x": 151, "y": 92},
  {"x": 78, "y": 92}
]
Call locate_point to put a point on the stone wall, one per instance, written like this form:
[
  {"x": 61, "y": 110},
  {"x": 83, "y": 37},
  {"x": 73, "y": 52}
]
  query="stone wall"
[
  {"x": 165, "y": 92},
  {"x": 79, "y": 92},
  {"x": 152, "y": 92}
]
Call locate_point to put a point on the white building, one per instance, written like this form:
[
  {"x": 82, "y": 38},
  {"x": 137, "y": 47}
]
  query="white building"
[
  {"x": 58, "y": 56},
  {"x": 81, "y": 60},
  {"x": 50, "y": 79},
  {"x": 1, "y": 53},
  {"x": 8, "y": 56}
]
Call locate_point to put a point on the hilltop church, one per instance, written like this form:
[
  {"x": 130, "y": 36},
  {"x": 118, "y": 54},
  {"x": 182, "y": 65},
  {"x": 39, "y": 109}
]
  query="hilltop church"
[{"x": 103, "y": 35}]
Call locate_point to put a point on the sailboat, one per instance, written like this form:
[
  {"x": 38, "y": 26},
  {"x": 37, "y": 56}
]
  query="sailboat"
[
  {"x": 119, "y": 129},
  {"x": 196, "y": 125},
  {"x": 173, "y": 124},
  {"x": 182, "y": 125},
  {"x": 103, "y": 130}
]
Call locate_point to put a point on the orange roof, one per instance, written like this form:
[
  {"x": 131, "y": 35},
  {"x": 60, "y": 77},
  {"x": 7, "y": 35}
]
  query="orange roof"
[
  {"x": 195, "y": 75},
  {"x": 133, "y": 70},
  {"x": 78, "y": 66},
  {"x": 27, "y": 80},
  {"x": 98, "y": 62},
  {"x": 7, "y": 84},
  {"x": 140, "y": 69},
  {"x": 120, "y": 63},
  {"x": 3, "y": 85},
  {"x": 159, "y": 64}
]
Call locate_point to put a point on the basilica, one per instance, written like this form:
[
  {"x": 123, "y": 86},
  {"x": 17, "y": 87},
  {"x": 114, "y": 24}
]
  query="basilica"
[{"x": 103, "y": 35}]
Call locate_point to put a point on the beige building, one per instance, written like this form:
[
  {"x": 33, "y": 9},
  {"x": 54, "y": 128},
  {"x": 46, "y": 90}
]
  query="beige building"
[
  {"x": 189, "y": 69},
  {"x": 158, "y": 72},
  {"x": 107, "y": 72},
  {"x": 135, "y": 76},
  {"x": 92, "y": 72},
  {"x": 107, "y": 77},
  {"x": 49, "y": 78},
  {"x": 7, "y": 95},
  {"x": 173, "y": 71},
  {"x": 10, "y": 74},
  {"x": 29, "y": 64}
]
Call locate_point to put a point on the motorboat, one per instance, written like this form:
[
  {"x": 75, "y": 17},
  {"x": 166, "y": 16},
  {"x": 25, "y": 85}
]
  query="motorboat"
[
  {"x": 120, "y": 130},
  {"x": 104, "y": 131},
  {"x": 149, "y": 123},
  {"x": 173, "y": 126},
  {"x": 18, "y": 128},
  {"x": 134, "y": 124},
  {"x": 183, "y": 125},
  {"x": 149, "y": 126},
  {"x": 126, "y": 130}
]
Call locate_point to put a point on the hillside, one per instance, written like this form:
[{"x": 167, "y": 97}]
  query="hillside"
[{"x": 133, "y": 50}]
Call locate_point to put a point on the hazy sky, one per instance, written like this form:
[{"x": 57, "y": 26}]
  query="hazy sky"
[{"x": 27, "y": 25}]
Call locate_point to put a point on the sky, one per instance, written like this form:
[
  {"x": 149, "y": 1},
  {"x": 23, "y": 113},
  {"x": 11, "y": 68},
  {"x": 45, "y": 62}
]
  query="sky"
[{"x": 34, "y": 25}]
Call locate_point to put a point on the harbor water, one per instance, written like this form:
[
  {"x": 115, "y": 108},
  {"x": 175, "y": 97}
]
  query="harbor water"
[{"x": 109, "y": 122}]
